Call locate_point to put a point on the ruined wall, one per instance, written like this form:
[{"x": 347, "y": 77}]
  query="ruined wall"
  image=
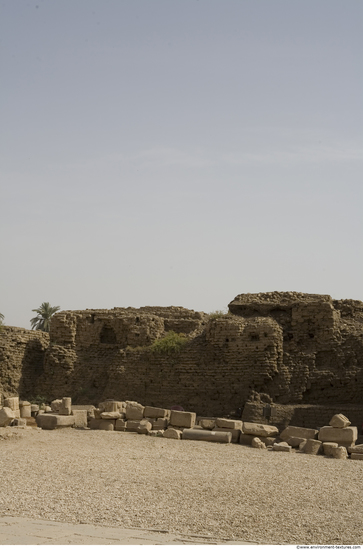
[
  {"x": 21, "y": 360},
  {"x": 322, "y": 344},
  {"x": 281, "y": 347}
]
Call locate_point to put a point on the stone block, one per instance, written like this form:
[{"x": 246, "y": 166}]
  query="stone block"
[
  {"x": 295, "y": 441},
  {"x": 328, "y": 446},
  {"x": 283, "y": 446},
  {"x": 107, "y": 425},
  {"x": 295, "y": 431},
  {"x": 207, "y": 423},
  {"x": 246, "y": 439},
  {"x": 132, "y": 425},
  {"x": 155, "y": 412},
  {"x": 236, "y": 434},
  {"x": 339, "y": 421},
  {"x": 134, "y": 411},
  {"x": 110, "y": 415},
  {"x": 97, "y": 413},
  {"x": 356, "y": 456},
  {"x": 313, "y": 447},
  {"x": 6, "y": 416},
  {"x": 207, "y": 435},
  {"x": 48, "y": 421},
  {"x": 343, "y": 436},
  {"x": 172, "y": 433},
  {"x": 257, "y": 443},
  {"x": 302, "y": 445},
  {"x": 12, "y": 403},
  {"x": 159, "y": 423},
  {"x": 182, "y": 419},
  {"x": 355, "y": 449},
  {"x": 66, "y": 406},
  {"x": 56, "y": 406},
  {"x": 80, "y": 418},
  {"x": 120, "y": 425},
  {"x": 25, "y": 411},
  {"x": 94, "y": 423},
  {"x": 111, "y": 406},
  {"x": 339, "y": 452},
  {"x": 257, "y": 430},
  {"x": 227, "y": 423},
  {"x": 145, "y": 427}
]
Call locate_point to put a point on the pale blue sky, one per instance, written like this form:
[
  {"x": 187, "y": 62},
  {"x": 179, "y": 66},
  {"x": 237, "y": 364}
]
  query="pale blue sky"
[{"x": 179, "y": 152}]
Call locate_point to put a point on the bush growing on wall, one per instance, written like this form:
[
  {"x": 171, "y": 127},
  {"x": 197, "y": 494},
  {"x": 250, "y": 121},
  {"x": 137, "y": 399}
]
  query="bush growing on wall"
[{"x": 171, "y": 343}]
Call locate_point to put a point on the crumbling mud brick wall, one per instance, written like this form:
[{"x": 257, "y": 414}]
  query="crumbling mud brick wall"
[
  {"x": 284, "y": 347},
  {"x": 21, "y": 360},
  {"x": 322, "y": 345},
  {"x": 280, "y": 347}
]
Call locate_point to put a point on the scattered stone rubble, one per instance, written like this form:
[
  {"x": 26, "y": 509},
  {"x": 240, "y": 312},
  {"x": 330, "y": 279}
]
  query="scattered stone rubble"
[{"x": 338, "y": 440}]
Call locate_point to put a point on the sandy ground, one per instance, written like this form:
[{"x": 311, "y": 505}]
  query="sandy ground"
[{"x": 201, "y": 488}]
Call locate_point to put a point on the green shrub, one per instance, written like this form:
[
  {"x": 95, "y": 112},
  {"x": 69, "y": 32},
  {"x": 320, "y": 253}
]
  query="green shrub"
[{"x": 171, "y": 343}]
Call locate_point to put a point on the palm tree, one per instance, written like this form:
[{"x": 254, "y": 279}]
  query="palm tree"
[{"x": 42, "y": 320}]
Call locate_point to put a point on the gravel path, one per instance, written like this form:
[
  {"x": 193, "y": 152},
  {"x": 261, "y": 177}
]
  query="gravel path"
[{"x": 227, "y": 491}]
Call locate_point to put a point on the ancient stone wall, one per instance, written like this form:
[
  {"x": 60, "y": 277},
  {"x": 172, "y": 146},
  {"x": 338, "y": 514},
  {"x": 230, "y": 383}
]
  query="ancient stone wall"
[
  {"x": 281, "y": 347},
  {"x": 21, "y": 360}
]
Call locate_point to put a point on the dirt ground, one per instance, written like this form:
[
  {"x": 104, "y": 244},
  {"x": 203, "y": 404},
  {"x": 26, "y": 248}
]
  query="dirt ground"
[{"x": 201, "y": 488}]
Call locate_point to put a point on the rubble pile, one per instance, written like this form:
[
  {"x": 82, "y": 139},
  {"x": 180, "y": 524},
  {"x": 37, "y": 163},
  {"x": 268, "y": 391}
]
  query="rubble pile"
[{"x": 338, "y": 440}]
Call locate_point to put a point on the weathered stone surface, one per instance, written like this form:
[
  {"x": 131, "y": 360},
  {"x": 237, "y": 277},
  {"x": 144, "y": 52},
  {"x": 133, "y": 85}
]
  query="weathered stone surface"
[
  {"x": 295, "y": 431},
  {"x": 25, "y": 411},
  {"x": 182, "y": 419},
  {"x": 80, "y": 418},
  {"x": 172, "y": 433},
  {"x": 110, "y": 415},
  {"x": 339, "y": 421},
  {"x": 56, "y": 405},
  {"x": 132, "y": 425},
  {"x": 283, "y": 446},
  {"x": 134, "y": 410},
  {"x": 145, "y": 427},
  {"x": 328, "y": 446},
  {"x": 235, "y": 433},
  {"x": 356, "y": 456},
  {"x": 207, "y": 435},
  {"x": 48, "y": 421},
  {"x": 228, "y": 423},
  {"x": 120, "y": 425},
  {"x": 257, "y": 430},
  {"x": 6, "y": 416},
  {"x": 246, "y": 439},
  {"x": 159, "y": 423},
  {"x": 339, "y": 452},
  {"x": 344, "y": 436},
  {"x": 256, "y": 443},
  {"x": 295, "y": 441},
  {"x": 313, "y": 447},
  {"x": 155, "y": 412},
  {"x": 356, "y": 449},
  {"x": 207, "y": 423},
  {"x": 66, "y": 406},
  {"x": 12, "y": 403}
]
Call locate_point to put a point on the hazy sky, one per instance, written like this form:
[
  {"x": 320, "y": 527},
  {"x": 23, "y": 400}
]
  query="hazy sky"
[{"x": 179, "y": 152}]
